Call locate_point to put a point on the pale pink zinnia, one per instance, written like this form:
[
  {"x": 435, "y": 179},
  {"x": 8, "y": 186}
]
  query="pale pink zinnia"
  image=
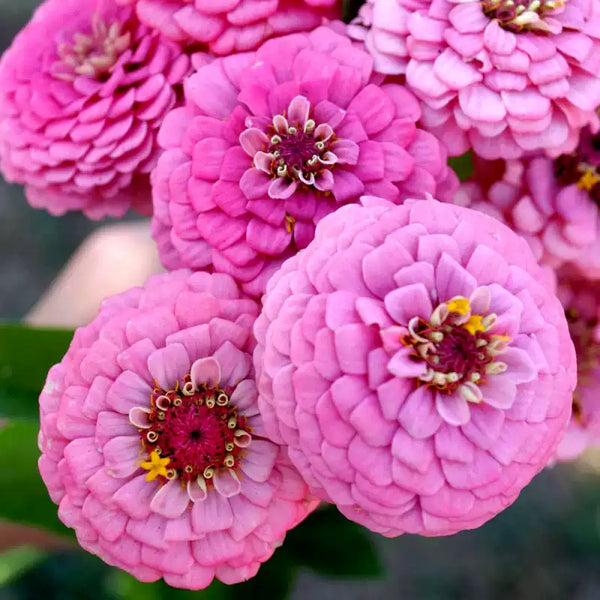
[
  {"x": 228, "y": 26},
  {"x": 503, "y": 77},
  {"x": 270, "y": 142},
  {"x": 581, "y": 299},
  {"x": 152, "y": 442},
  {"x": 415, "y": 365},
  {"x": 83, "y": 89},
  {"x": 553, "y": 204}
]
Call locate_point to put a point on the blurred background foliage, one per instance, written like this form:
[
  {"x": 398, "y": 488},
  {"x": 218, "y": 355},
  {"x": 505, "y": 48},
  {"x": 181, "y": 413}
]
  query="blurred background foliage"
[{"x": 546, "y": 546}]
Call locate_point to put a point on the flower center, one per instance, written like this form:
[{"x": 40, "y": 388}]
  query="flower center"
[
  {"x": 521, "y": 15},
  {"x": 293, "y": 150},
  {"x": 582, "y": 167},
  {"x": 92, "y": 55},
  {"x": 457, "y": 347},
  {"x": 191, "y": 433}
]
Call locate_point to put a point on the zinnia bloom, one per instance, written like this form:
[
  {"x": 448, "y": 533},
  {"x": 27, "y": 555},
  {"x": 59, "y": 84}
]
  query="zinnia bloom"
[
  {"x": 581, "y": 299},
  {"x": 270, "y": 142},
  {"x": 553, "y": 204},
  {"x": 419, "y": 371},
  {"x": 152, "y": 442},
  {"x": 83, "y": 89},
  {"x": 228, "y": 26},
  {"x": 503, "y": 77}
]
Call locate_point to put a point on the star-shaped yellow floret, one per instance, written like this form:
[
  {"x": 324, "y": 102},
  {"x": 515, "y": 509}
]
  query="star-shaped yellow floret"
[
  {"x": 588, "y": 180},
  {"x": 473, "y": 325},
  {"x": 459, "y": 305},
  {"x": 155, "y": 466}
]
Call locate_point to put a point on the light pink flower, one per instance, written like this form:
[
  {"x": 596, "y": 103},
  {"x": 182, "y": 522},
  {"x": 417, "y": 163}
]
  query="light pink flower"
[
  {"x": 581, "y": 299},
  {"x": 553, "y": 204},
  {"x": 419, "y": 371},
  {"x": 83, "y": 90},
  {"x": 152, "y": 442},
  {"x": 503, "y": 77},
  {"x": 270, "y": 142},
  {"x": 228, "y": 26}
]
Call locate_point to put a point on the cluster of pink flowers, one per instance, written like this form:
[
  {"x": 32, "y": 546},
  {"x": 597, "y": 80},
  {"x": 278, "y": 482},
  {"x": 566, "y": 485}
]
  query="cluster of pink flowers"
[{"x": 342, "y": 323}]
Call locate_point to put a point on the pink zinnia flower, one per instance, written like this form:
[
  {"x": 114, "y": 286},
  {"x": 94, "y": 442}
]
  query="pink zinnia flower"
[
  {"x": 581, "y": 299},
  {"x": 270, "y": 142},
  {"x": 152, "y": 442},
  {"x": 553, "y": 204},
  {"x": 83, "y": 90},
  {"x": 503, "y": 77},
  {"x": 228, "y": 26},
  {"x": 419, "y": 371}
]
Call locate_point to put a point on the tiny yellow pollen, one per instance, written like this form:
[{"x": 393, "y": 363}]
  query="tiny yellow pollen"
[
  {"x": 473, "y": 325},
  {"x": 155, "y": 466},
  {"x": 289, "y": 223},
  {"x": 459, "y": 305},
  {"x": 588, "y": 180}
]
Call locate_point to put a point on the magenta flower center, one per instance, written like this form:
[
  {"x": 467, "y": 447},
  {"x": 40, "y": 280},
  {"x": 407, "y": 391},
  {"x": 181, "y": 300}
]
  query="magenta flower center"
[
  {"x": 457, "y": 348},
  {"x": 299, "y": 151},
  {"x": 521, "y": 15},
  {"x": 292, "y": 150},
  {"x": 92, "y": 55},
  {"x": 582, "y": 167},
  {"x": 194, "y": 432}
]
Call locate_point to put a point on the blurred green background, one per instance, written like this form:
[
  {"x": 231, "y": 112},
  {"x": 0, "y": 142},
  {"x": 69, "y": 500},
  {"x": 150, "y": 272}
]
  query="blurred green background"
[{"x": 546, "y": 546}]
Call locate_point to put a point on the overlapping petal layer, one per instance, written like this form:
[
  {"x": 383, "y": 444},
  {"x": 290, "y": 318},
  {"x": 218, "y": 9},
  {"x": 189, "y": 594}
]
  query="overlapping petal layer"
[
  {"x": 553, "y": 204},
  {"x": 152, "y": 442},
  {"x": 228, "y": 26},
  {"x": 416, "y": 365},
  {"x": 501, "y": 77}
]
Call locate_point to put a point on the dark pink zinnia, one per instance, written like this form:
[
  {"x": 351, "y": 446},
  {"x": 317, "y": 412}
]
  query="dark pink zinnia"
[
  {"x": 228, "y": 26},
  {"x": 270, "y": 142},
  {"x": 83, "y": 90}
]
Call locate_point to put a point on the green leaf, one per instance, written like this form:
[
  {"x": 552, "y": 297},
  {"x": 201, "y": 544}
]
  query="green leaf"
[
  {"x": 16, "y": 561},
  {"x": 26, "y": 355},
  {"x": 462, "y": 165},
  {"x": 331, "y": 545},
  {"x": 24, "y": 497}
]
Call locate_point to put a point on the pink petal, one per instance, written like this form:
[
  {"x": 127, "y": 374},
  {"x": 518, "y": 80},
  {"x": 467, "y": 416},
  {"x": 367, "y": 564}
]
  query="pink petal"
[
  {"x": 206, "y": 371},
  {"x": 168, "y": 365},
  {"x": 418, "y": 414},
  {"x": 408, "y": 302},
  {"x": 227, "y": 482},
  {"x": 453, "y": 408},
  {"x": 170, "y": 500}
]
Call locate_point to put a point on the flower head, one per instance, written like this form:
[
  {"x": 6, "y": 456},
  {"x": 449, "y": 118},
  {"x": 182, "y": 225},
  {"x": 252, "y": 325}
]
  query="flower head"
[
  {"x": 580, "y": 298},
  {"x": 83, "y": 89},
  {"x": 416, "y": 365},
  {"x": 270, "y": 142},
  {"x": 503, "y": 77},
  {"x": 152, "y": 442},
  {"x": 553, "y": 204},
  {"x": 228, "y": 26}
]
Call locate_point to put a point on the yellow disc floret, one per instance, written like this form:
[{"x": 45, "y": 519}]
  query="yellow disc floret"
[
  {"x": 459, "y": 305},
  {"x": 155, "y": 466}
]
